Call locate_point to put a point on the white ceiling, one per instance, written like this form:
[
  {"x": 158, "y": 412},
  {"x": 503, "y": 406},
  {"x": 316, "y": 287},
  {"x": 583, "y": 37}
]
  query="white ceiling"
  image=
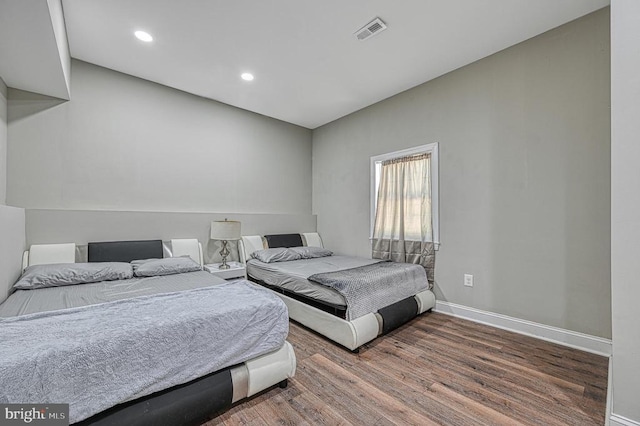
[{"x": 309, "y": 67}]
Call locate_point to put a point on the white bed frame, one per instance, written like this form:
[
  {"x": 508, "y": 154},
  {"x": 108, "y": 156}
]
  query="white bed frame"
[
  {"x": 350, "y": 334},
  {"x": 248, "y": 378},
  {"x": 39, "y": 254}
]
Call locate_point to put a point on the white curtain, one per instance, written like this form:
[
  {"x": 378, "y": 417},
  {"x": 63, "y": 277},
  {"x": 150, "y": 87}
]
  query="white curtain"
[
  {"x": 403, "y": 230},
  {"x": 403, "y": 210}
]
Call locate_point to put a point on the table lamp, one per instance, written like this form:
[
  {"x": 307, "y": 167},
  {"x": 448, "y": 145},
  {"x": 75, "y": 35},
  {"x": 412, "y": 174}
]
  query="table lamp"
[{"x": 225, "y": 230}]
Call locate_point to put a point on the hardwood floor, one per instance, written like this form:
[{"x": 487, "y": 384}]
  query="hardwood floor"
[{"x": 435, "y": 370}]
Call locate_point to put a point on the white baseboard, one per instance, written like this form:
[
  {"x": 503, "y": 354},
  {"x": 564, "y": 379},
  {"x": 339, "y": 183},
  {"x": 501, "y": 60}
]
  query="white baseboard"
[
  {"x": 616, "y": 420},
  {"x": 584, "y": 342}
]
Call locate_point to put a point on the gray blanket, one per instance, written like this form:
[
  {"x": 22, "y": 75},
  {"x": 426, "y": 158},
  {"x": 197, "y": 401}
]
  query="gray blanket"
[
  {"x": 369, "y": 288},
  {"x": 24, "y": 302},
  {"x": 97, "y": 356}
]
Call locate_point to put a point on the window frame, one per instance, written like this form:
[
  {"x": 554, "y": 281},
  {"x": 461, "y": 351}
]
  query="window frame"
[{"x": 376, "y": 164}]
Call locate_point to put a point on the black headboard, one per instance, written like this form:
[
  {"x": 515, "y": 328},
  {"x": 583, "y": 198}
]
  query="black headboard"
[
  {"x": 124, "y": 251},
  {"x": 284, "y": 240}
]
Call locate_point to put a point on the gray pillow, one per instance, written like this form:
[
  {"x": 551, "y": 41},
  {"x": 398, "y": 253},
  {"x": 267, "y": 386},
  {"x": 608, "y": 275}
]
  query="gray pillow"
[
  {"x": 166, "y": 266},
  {"x": 311, "y": 252},
  {"x": 61, "y": 274},
  {"x": 278, "y": 254}
]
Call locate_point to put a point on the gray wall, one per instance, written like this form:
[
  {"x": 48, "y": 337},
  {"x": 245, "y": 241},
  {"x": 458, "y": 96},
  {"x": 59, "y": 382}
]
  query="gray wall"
[
  {"x": 524, "y": 176},
  {"x": 3, "y": 142},
  {"x": 625, "y": 207},
  {"x": 12, "y": 244},
  {"x": 123, "y": 143}
]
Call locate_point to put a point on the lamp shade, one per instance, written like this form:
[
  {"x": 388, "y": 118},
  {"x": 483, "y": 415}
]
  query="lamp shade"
[{"x": 225, "y": 230}]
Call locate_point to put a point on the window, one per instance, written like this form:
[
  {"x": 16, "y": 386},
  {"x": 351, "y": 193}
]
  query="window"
[{"x": 405, "y": 183}]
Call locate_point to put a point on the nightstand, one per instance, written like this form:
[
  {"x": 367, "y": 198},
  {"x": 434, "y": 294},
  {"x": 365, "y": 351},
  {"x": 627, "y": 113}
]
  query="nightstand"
[{"x": 236, "y": 270}]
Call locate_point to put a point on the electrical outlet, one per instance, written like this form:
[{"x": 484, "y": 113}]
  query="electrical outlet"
[{"x": 468, "y": 280}]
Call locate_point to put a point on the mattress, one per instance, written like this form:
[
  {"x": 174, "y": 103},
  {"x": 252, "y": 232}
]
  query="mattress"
[
  {"x": 293, "y": 275},
  {"x": 24, "y": 302},
  {"x": 101, "y": 355}
]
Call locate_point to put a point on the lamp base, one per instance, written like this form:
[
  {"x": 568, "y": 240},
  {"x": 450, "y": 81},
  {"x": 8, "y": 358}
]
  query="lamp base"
[{"x": 224, "y": 253}]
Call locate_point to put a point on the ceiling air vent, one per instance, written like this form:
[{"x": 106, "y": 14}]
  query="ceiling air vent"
[{"x": 372, "y": 28}]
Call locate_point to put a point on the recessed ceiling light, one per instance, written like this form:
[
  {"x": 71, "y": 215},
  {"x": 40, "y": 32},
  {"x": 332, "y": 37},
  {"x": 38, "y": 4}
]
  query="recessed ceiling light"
[
  {"x": 247, "y": 76},
  {"x": 144, "y": 36}
]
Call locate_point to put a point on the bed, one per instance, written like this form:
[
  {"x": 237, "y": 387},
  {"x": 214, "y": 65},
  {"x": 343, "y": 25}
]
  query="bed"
[
  {"x": 327, "y": 308},
  {"x": 125, "y": 351}
]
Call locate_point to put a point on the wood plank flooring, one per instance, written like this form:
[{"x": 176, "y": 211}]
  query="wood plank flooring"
[{"x": 435, "y": 370}]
